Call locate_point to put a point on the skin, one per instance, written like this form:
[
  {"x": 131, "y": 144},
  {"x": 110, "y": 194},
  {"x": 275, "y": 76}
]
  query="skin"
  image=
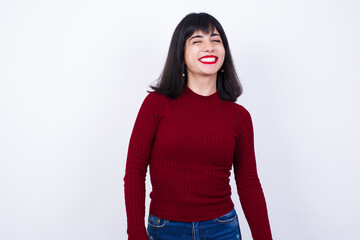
[{"x": 201, "y": 76}]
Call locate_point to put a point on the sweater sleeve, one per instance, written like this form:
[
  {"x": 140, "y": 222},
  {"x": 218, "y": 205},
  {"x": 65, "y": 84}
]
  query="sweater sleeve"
[
  {"x": 138, "y": 158},
  {"x": 248, "y": 184}
]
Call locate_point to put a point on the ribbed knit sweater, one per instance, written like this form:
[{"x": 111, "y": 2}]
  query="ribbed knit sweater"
[{"x": 190, "y": 145}]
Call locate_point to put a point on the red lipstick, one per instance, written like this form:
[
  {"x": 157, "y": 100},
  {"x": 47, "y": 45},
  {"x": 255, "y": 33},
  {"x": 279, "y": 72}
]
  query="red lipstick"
[{"x": 208, "y": 59}]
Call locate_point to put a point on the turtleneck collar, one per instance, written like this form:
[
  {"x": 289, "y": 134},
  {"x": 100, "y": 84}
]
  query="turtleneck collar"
[{"x": 195, "y": 95}]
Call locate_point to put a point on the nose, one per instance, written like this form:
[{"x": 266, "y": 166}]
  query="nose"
[{"x": 208, "y": 46}]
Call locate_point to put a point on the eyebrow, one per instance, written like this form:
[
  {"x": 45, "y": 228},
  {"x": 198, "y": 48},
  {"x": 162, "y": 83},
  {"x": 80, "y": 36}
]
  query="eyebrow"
[
  {"x": 200, "y": 36},
  {"x": 196, "y": 36}
]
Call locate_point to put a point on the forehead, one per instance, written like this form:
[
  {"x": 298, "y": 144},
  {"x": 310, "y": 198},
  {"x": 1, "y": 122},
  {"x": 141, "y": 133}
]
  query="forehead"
[{"x": 200, "y": 32}]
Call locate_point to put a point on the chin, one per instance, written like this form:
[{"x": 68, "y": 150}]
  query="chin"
[
  {"x": 214, "y": 72},
  {"x": 210, "y": 73}
]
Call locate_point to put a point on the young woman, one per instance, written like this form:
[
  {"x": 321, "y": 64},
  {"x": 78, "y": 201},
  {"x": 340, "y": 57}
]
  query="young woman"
[{"x": 191, "y": 132}]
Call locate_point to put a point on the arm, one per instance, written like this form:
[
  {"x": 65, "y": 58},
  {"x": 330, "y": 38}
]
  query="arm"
[
  {"x": 138, "y": 158},
  {"x": 248, "y": 184}
]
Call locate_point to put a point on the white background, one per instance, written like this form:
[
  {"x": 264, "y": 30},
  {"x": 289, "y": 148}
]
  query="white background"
[{"x": 73, "y": 75}]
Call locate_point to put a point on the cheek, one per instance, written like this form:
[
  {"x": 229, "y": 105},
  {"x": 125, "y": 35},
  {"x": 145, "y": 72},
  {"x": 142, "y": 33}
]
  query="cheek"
[
  {"x": 186, "y": 55},
  {"x": 222, "y": 53},
  {"x": 187, "y": 60},
  {"x": 189, "y": 57}
]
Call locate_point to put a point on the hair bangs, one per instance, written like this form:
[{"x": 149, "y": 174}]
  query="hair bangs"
[{"x": 201, "y": 23}]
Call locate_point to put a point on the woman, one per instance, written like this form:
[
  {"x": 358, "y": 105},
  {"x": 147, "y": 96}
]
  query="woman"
[{"x": 191, "y": 133}]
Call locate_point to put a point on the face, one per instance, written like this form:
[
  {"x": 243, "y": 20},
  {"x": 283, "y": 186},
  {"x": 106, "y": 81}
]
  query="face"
[{"x": 204, "y": 53}]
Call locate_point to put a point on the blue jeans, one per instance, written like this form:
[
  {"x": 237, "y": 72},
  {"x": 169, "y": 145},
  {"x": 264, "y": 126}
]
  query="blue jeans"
[{"x": 225, "y": 227}]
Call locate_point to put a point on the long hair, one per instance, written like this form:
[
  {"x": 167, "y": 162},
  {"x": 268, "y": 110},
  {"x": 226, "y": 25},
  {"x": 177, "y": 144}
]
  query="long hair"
[{"x": 171, "y": 81}]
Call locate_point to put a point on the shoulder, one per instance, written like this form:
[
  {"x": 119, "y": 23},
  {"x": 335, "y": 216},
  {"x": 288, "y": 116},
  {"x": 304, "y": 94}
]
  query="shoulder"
[
  {"x": 242, "y": 117},
  {"x": 154, "y": 101},
  {"x": 239, "y": 110},
  {"x": 153, "y": 98}
]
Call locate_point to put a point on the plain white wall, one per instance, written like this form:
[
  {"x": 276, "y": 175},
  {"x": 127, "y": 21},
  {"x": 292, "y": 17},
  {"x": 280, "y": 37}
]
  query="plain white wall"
[{"x": 74, "y": 73}]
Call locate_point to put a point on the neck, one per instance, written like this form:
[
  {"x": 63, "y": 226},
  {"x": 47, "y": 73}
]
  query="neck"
[{"x": 203, "y": 85}]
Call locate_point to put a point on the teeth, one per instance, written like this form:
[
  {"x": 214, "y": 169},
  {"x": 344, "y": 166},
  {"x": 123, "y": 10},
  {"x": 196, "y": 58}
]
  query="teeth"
[{"x": 210, "y": 59}]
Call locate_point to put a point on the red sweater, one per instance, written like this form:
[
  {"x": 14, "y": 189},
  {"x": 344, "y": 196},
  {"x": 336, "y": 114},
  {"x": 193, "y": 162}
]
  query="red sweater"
[{"x": 191, "y": 144}]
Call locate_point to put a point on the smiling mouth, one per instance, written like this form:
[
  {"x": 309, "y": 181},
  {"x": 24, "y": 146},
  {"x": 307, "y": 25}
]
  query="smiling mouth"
[{"x": 208, "y": 59}]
